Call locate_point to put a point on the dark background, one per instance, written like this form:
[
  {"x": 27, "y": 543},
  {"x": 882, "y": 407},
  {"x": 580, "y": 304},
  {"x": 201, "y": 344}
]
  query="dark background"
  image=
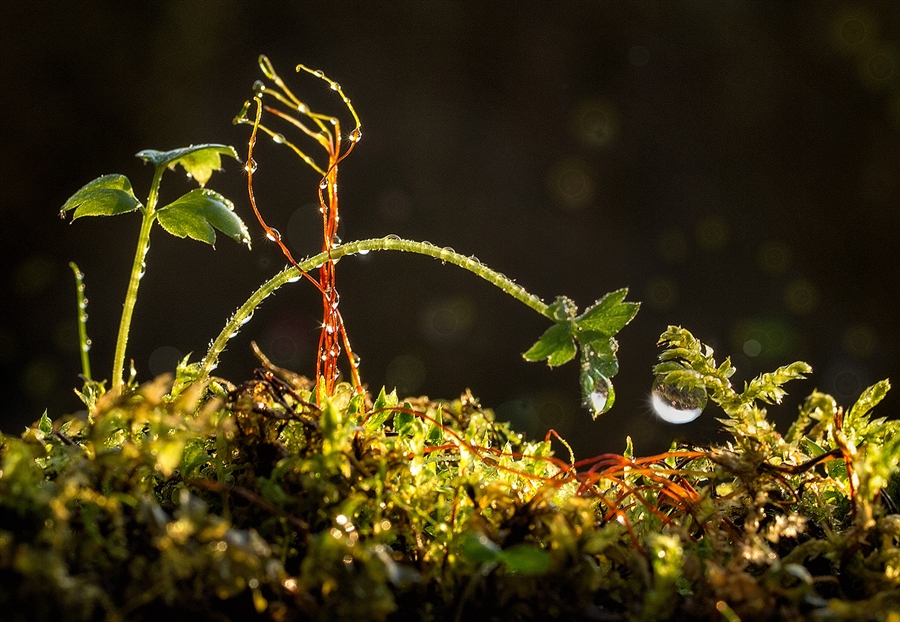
[{"x": 736, "y": 164}]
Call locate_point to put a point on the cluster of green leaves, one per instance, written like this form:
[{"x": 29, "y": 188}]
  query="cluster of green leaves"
[
  {"x": 196, "y": 214},
  {"x": 594, "y": 330},
  {"x": 249, "y": 502}
]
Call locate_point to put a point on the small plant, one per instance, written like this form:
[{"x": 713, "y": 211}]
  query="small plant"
[
  {"x": 284, "y": 498},
  {"x": 196, "y": 214}
]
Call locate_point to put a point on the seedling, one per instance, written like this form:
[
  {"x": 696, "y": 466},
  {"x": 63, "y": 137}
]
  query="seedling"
[{"x": 196, "y": 214}]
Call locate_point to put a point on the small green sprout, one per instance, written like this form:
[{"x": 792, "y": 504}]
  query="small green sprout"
[{"x": 195, "y": 214}]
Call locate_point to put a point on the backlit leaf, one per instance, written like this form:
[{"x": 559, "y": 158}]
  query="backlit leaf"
[
  {"x": 198, "y": 212},
  {"x": 105, "y": 196},
  {"x": 198, "y": 161},
  {"x": 556, "y": 345}
]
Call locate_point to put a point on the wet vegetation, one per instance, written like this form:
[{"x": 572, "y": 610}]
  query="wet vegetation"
[{"x": 292, "y": 498}]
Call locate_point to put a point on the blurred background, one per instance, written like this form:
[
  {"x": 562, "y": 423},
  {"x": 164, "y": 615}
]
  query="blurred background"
[{"x": 736, "y": 164}]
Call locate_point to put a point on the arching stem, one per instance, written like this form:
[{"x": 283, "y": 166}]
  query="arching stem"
[{"x": 389, "y": 243}]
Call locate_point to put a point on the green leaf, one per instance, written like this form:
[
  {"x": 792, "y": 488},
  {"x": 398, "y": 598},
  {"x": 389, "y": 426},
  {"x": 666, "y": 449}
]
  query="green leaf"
[
  {"x": 477, "y": 547},
  {"x": 198, "y": 212},
  {"x": 45, "y": 425},
  {"x": 105, "y": 196},
  {"x": 866, "y": 402},
  {"x": 198, "y": 161},
  {"x": 608, "y": 315},
  {"x": 525, "y": 559},
  {"x": 556, "y": 345},
  {"x": 562, "y": 309},
  {"x": 382, "y": 409}
]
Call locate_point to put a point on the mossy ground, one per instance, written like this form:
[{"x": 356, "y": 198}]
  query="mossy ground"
[{"x": 222, "y": 502}]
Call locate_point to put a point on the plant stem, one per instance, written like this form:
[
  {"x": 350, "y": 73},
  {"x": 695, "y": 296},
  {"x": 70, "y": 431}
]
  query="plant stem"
[
  {"x": 84, "y": 344},
  {"x": 137, "y": 272},
  {"x": 393, "y": 243}
]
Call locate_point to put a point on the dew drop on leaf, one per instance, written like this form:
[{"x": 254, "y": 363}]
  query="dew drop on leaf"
[
  {"x": 598, "y": 397},
  {"x": 675, "y": 405}
]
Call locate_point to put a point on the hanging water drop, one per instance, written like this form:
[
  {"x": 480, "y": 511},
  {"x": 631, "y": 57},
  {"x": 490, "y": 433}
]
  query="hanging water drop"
[
  {"x": 323, "y": 184},
  {"x": 245, "y": 320},
  {"x": 676, "y": 405},
  {"x": 356, "y": 135},
  {"x": 250, "y": 167},
  {"x": 278, "y": 139},
  {"x": 273, "y": 235},
  {"x": 598, "y": 397}
]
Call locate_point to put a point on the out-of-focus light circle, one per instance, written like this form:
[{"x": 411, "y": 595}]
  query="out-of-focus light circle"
[
  {"x": 774, "y": 256},
  {"x": 752, "y": 348},
  {"x": 571, "y": 184},
  {"x": 801, "y": 296}
]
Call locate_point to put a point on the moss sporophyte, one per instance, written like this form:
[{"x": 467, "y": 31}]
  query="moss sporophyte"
[{"x": 285, "y": 498}]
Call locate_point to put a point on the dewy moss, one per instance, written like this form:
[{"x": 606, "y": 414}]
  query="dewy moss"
[{"x": 284, "y": 498}]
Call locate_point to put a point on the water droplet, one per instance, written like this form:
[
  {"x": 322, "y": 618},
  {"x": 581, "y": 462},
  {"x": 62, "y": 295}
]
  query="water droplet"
[
  {"x": 335, "y": 86},
  {"x": 356, "y": 135},
  {"x": 250, "y": 167},
  {"x": 598, "y": 397},
  {"x": 676, "y": 405},
  {"x": 258, "y": 88},
  {"x": 273, "y": 235},
  {"x": 302, "y": 108},
  {"x": 245, "y": 320},
  {"x": 364, "y": 251},
  {"x": 84, "y": 317},
  {"x": 278, "y": 139},
  {"x": 323, "y": 184},
  {"x": 329, "y": 329},
  {"x": 86, "y": 346}
]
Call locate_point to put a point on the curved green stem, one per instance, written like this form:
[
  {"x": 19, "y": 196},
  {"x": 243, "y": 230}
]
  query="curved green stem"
[
  {"x": 137, "y": 272},
  {"x": 392, "y": 243}
]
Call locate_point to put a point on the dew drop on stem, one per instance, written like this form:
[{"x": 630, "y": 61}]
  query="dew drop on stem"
[
  {"x": 676, "y": 405},
  {"x": 273, "y": 235},
  {"x": 250, "y": 167},
  {"x": 278, "y": 139}
]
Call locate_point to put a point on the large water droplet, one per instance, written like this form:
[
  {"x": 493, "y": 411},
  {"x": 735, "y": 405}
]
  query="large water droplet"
[
  {"x": 273, "y": 235},
  {"x": 250, "y": 167},
  {"x": 676, "y": 405},
  {"x": 278, "y": 139},
  {"x": 598, "y": 397}
]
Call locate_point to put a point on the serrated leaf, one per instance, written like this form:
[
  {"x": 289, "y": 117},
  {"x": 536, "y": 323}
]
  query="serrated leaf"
[
  {"x": 198, "y": 161},
  {"x": 200, "y": 211},
  {"x": 105, "y": 196},
  {"x": 556, "y": 345},
  {"x": 608, "y": 315}
]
